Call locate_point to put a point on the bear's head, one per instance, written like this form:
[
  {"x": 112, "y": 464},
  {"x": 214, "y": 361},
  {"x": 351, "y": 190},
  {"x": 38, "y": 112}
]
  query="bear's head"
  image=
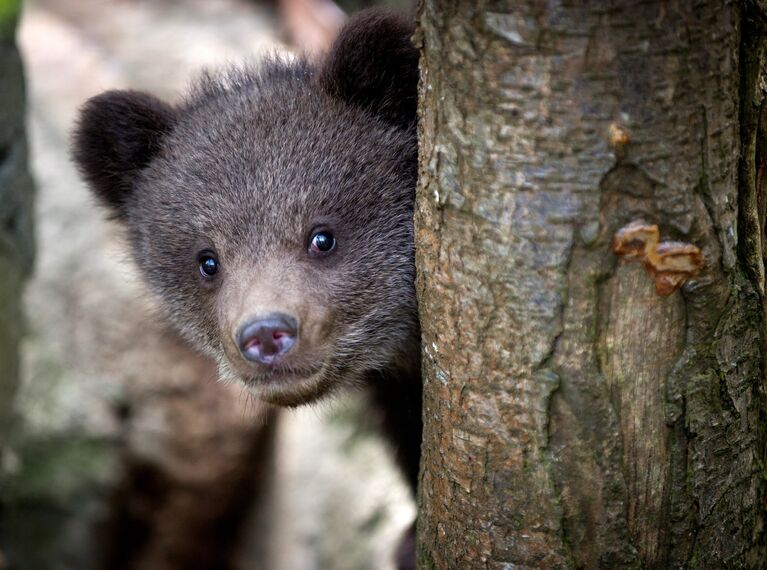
[{"x": 271, "y": 211}]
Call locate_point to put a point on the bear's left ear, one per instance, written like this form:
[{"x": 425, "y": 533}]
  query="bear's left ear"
[
  {"x": 374, "y": 64},
  {"x": 116, "y": 136}
]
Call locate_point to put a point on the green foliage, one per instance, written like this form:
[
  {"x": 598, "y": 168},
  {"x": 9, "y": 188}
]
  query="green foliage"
[{"x": 9, "y": 13}]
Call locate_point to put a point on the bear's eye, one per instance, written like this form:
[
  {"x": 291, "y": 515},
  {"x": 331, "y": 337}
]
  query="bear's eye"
[
  {"x": 208, "y": 264},
  {"x": 322, "y": 243}
]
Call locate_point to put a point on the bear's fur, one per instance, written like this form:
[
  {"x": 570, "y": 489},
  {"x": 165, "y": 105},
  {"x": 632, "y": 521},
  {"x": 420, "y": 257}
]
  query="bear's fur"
[{"x": 247, "y": 167}]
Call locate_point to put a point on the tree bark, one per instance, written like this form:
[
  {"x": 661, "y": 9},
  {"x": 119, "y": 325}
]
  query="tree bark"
[{"x": 579, "y": 412}]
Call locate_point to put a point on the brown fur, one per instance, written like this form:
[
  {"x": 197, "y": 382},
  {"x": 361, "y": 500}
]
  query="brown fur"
[{"x": 247, "y": 166}]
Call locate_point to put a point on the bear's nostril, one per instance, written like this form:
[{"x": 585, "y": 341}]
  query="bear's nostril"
[{"x": 265, "y": 339}]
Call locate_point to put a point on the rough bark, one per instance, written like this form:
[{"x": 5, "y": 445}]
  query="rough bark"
[{"x": 574, "y": 417}]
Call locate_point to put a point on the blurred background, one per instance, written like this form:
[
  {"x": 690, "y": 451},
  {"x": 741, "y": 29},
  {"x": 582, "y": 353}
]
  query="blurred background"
[{"x": 118, "y": 447}]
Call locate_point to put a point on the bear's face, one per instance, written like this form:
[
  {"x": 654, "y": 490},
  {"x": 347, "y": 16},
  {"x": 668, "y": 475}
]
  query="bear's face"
[
  {"x": 272, "y": 211},
  {"x": 262, "y": 184}
]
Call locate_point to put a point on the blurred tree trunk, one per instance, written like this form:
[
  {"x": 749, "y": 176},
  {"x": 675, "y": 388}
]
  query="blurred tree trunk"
[
  {"x": 16, "y": 241},
  {"x": 575, "y": 417}
]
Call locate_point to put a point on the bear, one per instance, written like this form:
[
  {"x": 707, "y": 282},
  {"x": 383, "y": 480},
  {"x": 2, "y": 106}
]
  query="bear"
[{"x": 271, "y": 213}]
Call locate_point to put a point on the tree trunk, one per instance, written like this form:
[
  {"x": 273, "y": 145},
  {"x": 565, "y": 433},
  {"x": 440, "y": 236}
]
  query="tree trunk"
[
  {"x": 16, "y": 241},
  {"x": 581, "y": 410}
]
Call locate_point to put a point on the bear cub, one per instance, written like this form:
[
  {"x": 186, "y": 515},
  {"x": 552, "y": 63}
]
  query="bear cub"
[{"x": 271, "y": 213}]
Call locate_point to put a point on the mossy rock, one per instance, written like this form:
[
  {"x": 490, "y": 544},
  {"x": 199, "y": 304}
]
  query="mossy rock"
[{"x": 52, "y": 496}]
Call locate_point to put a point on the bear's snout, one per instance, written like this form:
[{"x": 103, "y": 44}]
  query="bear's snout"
[{"x": 266, "y": 339}]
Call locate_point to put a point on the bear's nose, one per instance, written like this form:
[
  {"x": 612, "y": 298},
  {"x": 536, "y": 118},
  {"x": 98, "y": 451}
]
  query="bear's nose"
[{"x": 264, "y": 339}]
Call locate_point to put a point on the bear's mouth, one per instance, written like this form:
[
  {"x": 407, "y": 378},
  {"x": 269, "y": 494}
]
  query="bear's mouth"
[
  {"x": 290, "y": 386},
  {"x": 279, "y": 373}
]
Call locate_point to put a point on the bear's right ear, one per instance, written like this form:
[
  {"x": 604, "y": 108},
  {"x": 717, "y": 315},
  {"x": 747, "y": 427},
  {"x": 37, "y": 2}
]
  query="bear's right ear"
[
  {"x": 373, "y": 64},
  {"x": 117, "y": 134}
]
